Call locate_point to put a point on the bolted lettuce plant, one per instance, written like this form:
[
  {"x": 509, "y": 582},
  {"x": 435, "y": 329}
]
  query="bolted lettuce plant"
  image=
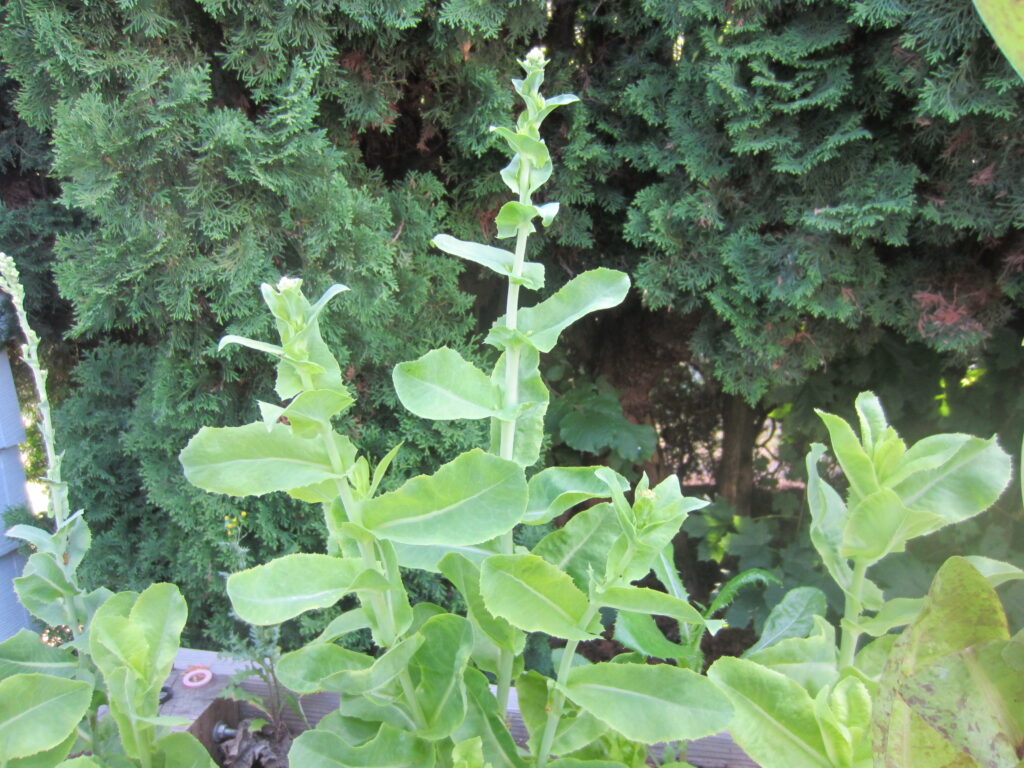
[
  {"x": 801, "y": 700},
  {"x": 121, "y": 647},
  {"x": 425, "y": 700}
]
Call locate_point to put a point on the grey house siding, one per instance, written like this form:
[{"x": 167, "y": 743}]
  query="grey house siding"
[{"x": 12, "y": 493}]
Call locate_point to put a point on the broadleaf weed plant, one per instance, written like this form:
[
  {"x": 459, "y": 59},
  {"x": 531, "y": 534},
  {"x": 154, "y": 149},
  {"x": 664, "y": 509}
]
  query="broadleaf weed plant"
[
  {"x": 120, "y": 650},
  {"x": 424, "y": 700}
]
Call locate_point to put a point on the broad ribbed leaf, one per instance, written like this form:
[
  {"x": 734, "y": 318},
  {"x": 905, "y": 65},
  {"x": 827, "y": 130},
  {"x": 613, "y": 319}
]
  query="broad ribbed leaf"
[
  {"x": 581, "y": 545},
  {"x": 857, "y": 465},
  {"x": 391, "y": 748},
  {"x": 26, "y": 653},
  {"x": 48, "y": 758},
  {"x": 440, "y": 662},
  {"x": 774, "y": 720},
  {"x": 319, "y": 667},
  {"x": 470, "y": 500},
  {"x": 428, "y": 558},
  {"x": 42, "y": 588},
  {"x": 535, "y": 596},
  {"x": 880, "y": 524},
  {"x": 308, "y": 412},
  {"x": 589, "y": 292},
  {"x": 961, "y": 611},
  {"x": 160, "y": 612},
  {"x": 38, "y": 712},
  {"x": 975, "y": 699},
  {"x": 290, "y": 585},
  {"x": 183, "y": 750},
  {"x": 556, "y": 489},
  {"x": 41, "y": 539},
  {"x": 968, "y": 483},
  {"x": 349, "y": 621},
  {"x": 465, "y": 575},
  {"x": 443, "y": 385},
  {"x": 810, "y": 661},
  {"x": 650, "y": 703},
  {"x": 645, "y": 600},
  {"x": 828, "y": 519},
  {"x": 252, "y": 461},
  {"x": 497, "y": 259}
]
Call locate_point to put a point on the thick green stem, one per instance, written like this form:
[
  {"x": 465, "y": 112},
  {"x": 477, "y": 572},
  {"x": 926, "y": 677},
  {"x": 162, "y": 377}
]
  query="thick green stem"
[
  {"x": 557, "y": 704},
  {"x": 382, "y": 605},
  {"x": 851, "y": 616},
  {"x": 511, "y": 399}
]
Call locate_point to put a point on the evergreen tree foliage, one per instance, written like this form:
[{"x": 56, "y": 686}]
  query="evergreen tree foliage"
[{"x": 807, "y": 181}]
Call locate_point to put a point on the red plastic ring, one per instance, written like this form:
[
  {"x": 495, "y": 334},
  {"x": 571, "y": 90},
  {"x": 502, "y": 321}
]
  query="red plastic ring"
[{"x": 196, "y": 677}]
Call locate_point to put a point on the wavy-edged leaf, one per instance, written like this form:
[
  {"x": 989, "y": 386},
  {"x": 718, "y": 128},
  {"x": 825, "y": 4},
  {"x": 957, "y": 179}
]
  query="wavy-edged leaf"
[
  {"x": 646, "y": 600},
  {"x": 319, "y": 667},
  {"x": 43, "y": 589},
  {"x": 38, "y": 712},
  {"x": 649, "y": 703},
  {"x": 428, "y": 558},
  {"x": 497, "y": 259},
  {"x": 581, "y": 545},
  {"x": 748, "y": 578},
  {"x": 535, "y": 596},
  {"x": 443, "y": 385},
  {"x": 25, "y": 653},
  {"x": 470, "y": 500},
  {"x": 828, "y": 520},
  {"x": 774, "y": 719},
  {"x": 557, "y": 489},
  {"x": 880, "y": 524},
  {"x": 974, "y": 699},
  {"x": 440, "y": 662},
  {"x": 483, "y": 720},
  {"x": 810, "y": 661},
  {"x": 252, "y": 461},
  {"x": 966, "y": 484},
  {"x": 589, "y": 292},
  {"x": 391, "y": 748},
  {"x": 160, "y": 613},
  {"x": 466, "y": 577},
  {"x": 961, "y": 610},
  {"x": 308, "y": 412},
  {"x": 857, "y": 465},
  {"x": 350, "y": 621},
  {"x": 183, "y": 750},
  {"x": 513, "y": 216},
  {"x": 290, "y": 585}
]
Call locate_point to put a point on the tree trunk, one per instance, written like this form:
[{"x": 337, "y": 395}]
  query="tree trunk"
[{"x": 740, "y": 427}]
